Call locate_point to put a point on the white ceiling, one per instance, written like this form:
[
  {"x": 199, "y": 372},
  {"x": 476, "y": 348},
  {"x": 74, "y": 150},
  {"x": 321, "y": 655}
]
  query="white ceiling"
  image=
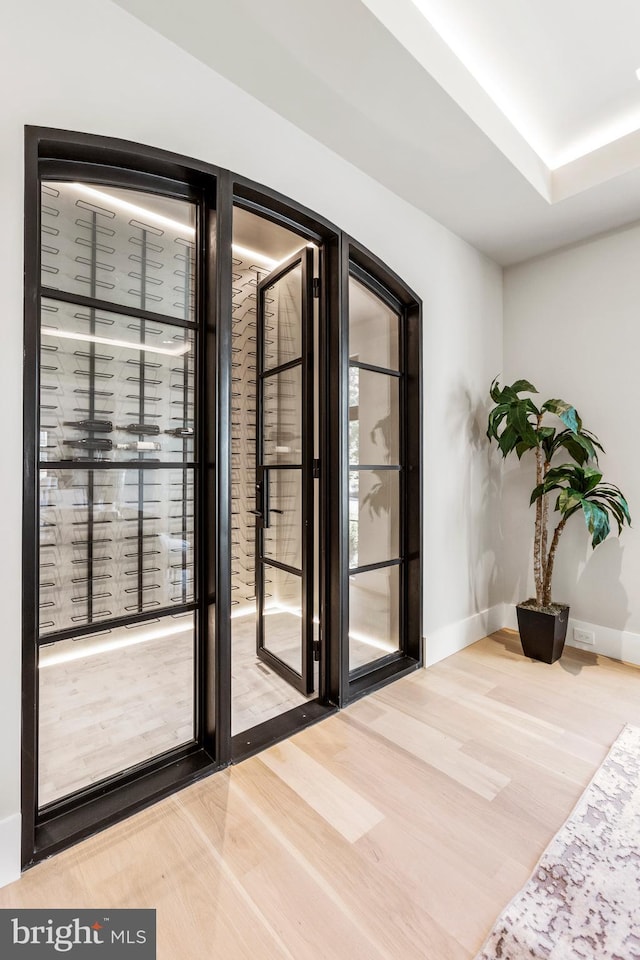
[
  {"x": 514, "y": 123},
  {"x": 562, "y": 71}
]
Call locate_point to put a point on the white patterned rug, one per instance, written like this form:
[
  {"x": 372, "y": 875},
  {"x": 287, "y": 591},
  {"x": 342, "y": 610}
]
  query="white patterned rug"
[{"x": 582, "y": 901}]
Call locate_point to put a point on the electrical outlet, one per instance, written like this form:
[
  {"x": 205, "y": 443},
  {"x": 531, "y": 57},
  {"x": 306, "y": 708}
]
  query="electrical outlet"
[{"x": 583, "y": 636}]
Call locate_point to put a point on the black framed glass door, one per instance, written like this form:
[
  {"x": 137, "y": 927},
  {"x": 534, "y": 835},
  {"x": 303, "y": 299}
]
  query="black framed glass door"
[
  {"x": 284, "y": 470},
  {"x": 118, "y": 478},
  {"x": 161, "y": 330}
]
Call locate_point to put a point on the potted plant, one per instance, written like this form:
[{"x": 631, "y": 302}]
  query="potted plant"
[{"x": 518, "y": 425}]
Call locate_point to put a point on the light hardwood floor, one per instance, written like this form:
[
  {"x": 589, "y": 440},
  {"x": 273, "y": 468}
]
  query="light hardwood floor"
[{"x": 397, "y": 829}]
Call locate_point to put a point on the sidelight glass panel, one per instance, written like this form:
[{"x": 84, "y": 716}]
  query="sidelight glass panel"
[
  {"x": 282, "y": 414},
  {"x": 114, "y": 387},
  {"x": 374, "y": 615},
  {"x": 374, "y": 425},
  {"x": 112, "y": 700},
  {"x": 113, "y": 543},
  {"x": 374, "y": 516},
  {"x": 283, "y": 616},
  {"x": 131, "y": 248},
  {"x": 283, "y": 536},
  {"x": 373, "y": 328},
  {"x": 283, "y": 320}
]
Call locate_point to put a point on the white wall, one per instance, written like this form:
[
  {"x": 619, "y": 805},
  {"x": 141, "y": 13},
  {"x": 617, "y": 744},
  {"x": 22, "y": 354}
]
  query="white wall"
[
  {"x": 463, "y": 338},
  {"x": 572, "y": 328},
  {"x": 86, "y": 65}
]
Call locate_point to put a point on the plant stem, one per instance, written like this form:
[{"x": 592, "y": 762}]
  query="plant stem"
[
  {"x": 546, "y": 593},
  {"x": 538, "y": 572},
  {"x": 545, "y": 524}
]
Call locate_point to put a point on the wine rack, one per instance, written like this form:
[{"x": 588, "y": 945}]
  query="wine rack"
[
  {"x": 117, "y": 405},
  {"x": 246, "y": 276},
  {"x": 282, "y": 415},
  {"x": 118, "y": 410}
]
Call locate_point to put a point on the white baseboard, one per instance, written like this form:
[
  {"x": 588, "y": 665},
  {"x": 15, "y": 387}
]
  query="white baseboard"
[
  {"x": 9, "y": 849},
  {"x": 447, "y": 640},
  {"x": 510, "y": 618},
  {"x": 617, "y": 644}
]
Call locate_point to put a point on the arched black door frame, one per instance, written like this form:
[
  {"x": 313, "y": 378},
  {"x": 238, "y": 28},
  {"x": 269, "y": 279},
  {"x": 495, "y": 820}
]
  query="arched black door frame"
[{"x": 68, "y": 155}]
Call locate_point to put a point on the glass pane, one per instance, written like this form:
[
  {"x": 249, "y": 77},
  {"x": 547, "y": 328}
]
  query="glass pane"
[
  {"x": 283, "y": 319},
  {"x": 283, "y": 537},
  {"x": 113, "y": 700},
  {"x": 112, "y": 543},
  {"x": 283, "y": 616},
  {"x": 374, "y": 516},
  {"x": 373, "y": 328},
  {"x": 113, "y": 387},
  {"x": 374, "y": 426},
  {"x": 374, "y": 615},
  {"x": 283, "y": 417},
  {"x": 124, "y": 246}
]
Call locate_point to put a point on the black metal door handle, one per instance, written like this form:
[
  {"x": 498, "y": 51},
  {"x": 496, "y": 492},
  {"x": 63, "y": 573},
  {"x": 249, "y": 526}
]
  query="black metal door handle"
[
  {"x": 265, "y": 499},
  {"x": 262, "y": 500}
]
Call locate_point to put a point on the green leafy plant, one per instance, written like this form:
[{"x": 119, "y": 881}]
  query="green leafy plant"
[{"x": 518, "y": 425}]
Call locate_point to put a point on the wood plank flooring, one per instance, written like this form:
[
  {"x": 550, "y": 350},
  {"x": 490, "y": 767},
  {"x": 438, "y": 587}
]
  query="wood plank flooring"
[{"x": 395, "y": 830}]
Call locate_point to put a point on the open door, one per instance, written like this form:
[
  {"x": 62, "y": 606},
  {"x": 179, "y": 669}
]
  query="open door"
[{"x": 284, "y": 470}]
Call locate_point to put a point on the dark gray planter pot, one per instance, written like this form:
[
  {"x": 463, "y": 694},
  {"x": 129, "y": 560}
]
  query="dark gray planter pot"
[{"x": 543, "y": 634}]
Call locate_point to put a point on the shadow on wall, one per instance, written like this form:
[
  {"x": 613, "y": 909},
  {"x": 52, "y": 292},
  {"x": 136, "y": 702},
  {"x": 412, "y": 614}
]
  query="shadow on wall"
[
  {"x": 481, "y": 498},
  {"x": 591, "y": 579},
  {"x": 517, "y": 527},
  {"x": 600, "y": 596}
]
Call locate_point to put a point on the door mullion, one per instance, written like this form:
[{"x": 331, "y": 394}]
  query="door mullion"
[{"x": 308, "y": 450}]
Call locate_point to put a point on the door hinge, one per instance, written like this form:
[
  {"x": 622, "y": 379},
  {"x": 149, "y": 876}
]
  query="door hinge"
[
  {"x": 316, "y": 469},
  {"x": 316, "y": 286},
  {"x": 316, "y": 649}
]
